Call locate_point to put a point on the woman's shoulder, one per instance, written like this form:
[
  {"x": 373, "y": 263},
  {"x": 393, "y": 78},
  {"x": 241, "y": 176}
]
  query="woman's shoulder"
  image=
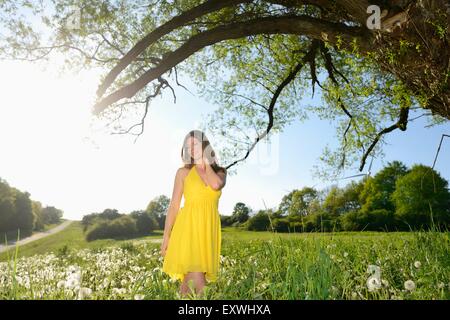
[{"x": 183, "y": 171}]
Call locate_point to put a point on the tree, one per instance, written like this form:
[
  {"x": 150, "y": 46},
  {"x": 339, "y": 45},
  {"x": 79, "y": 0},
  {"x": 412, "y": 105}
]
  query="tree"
[
  {"x": 339, "y": 201},
  {"x": 145, "y": 222},
  {"x": 240, "y": 213},
  {"x": 37, "y": 212},
  {"x": 297, "y": 202},
  {"x": 7, "y": 207},
  {"x": 158, "y": 208},
  {"x": 378, "y": 190},
  {"x": 107, "y": 215},
  {"x": 259, "y": 222},
  {"x": 382, "y": 59},
  {"x": 24, "y": 218},
  {"x": 422, "y": 198},
  {"x": 51, "y": 215}
]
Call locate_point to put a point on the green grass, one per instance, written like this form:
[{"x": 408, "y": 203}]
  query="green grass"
[
  {"x": 71, "y": 237},
  {"x": 254, "y": 265},
  {"x": 52, "y": 225}
]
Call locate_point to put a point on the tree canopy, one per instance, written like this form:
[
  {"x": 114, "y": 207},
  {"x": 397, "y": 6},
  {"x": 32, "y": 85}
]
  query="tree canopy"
[{"x": 374, "y": 62}]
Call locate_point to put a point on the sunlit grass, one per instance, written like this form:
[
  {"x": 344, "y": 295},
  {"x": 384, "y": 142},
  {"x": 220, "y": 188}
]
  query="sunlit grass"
[
  {"x": 71, "y": 237},
  {"x": 413, "y": 265}
]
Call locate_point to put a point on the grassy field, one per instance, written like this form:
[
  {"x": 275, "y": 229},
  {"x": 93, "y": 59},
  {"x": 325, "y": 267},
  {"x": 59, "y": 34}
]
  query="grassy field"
[
  {"x": 71, "y": 237},
  {"x": 254, "y": 265}
]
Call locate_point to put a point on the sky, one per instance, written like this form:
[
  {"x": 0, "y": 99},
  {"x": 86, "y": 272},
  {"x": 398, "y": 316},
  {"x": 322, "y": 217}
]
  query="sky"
[{"x": 52, "y": 147}]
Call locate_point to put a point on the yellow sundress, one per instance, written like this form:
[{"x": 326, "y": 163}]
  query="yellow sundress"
[{"x": 195, "y": 241}]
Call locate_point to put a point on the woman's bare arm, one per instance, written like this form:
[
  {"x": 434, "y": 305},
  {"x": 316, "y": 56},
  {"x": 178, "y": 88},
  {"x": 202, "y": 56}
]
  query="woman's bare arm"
[
  {"x": 216, "y": 180},
  {"x": 174, "y": 205}
]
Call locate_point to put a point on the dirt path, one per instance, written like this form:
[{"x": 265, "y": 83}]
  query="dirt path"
[{"x": 36, "y": 236}]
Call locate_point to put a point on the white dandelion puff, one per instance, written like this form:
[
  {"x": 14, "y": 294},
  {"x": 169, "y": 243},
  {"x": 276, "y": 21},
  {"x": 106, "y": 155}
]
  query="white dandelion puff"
[
  {"x": 373, "y": 283},
  {"x": 84, "y": 293},
  {"x": 60, "y": 284},
  {"x": 410, "y": 285}
]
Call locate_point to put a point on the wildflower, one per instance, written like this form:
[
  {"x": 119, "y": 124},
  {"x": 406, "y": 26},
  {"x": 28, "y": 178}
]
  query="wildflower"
[
  {"x": 410, "y": 285},
  {"x": 440, "y": 285},
  {"x": 139, "y": 297},
  {"x": 373, "y": 283},
  {"x": 345, "y": 254},
  {"x": 71, "y": 283},
  {"x": 417, "y": 264},
  {"x": 84, "y": 293}
]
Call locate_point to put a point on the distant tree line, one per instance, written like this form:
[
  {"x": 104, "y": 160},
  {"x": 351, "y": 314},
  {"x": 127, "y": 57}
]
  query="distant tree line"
[
  {"x": 395, "y": 199},
  {"x": 110, "y": 224},
  {"x": 19, "y": 213}
]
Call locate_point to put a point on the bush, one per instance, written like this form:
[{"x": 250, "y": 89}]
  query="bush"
[
  {"x": 320, "y": 221},
  {"x": 98, "y": 231},
  {"x": 375, "y": 220},
  {"x": 225, "y": 221},
  {"x": 380, "y": 220},
  {"x": 281, "y": 224},
  {"x": 259, "y": 222},
  {"x": 145, "y": 222},
  {"x": 349, "y": 221}
]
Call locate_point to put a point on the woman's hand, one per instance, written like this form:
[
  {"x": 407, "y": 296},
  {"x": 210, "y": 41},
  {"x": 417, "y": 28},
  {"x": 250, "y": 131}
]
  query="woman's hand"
[{"x": 164, "y": 247}]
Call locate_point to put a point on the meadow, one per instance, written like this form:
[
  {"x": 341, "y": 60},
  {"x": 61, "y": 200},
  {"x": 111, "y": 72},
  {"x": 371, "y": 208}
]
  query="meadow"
[{"x": 254, "y": 265}]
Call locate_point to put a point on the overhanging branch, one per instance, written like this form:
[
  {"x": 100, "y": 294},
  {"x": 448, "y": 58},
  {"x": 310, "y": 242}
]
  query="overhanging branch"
[
  {"x": 400, "y": 124},
  {"x": 291, "y": 24},
  {"x": 290, "y": 77},
  {"x": 176, "y": 22}
]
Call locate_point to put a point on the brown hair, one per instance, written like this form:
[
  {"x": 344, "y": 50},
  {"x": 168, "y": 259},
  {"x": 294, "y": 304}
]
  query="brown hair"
[{"x": 189, "y": 161}]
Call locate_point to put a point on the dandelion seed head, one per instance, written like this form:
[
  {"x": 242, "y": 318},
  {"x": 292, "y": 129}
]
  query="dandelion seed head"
[
  {"x": 410, "y": 285},
  {"x": 373, "y": 283}
]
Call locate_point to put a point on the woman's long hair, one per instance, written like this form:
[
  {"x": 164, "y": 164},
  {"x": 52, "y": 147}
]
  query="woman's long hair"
[{"x": 206, "y": 148}]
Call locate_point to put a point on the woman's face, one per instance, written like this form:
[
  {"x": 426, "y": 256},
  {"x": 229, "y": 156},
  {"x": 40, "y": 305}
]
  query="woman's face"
[{"x": 194, "y": 148}]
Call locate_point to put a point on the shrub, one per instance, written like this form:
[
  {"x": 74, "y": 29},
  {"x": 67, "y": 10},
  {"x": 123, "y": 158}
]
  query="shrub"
[
  {"x": 281, "y": 224},
  {"x": 120, "y": 228},
  {"x": 259, "y": 222}
]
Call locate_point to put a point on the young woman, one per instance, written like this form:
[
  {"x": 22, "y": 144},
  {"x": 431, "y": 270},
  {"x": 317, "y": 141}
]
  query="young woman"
[{"x": 191, "y": 249}]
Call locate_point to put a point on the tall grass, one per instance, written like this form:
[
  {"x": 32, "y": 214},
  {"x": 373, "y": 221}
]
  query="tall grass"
[{"x": 270, "y": 266}]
